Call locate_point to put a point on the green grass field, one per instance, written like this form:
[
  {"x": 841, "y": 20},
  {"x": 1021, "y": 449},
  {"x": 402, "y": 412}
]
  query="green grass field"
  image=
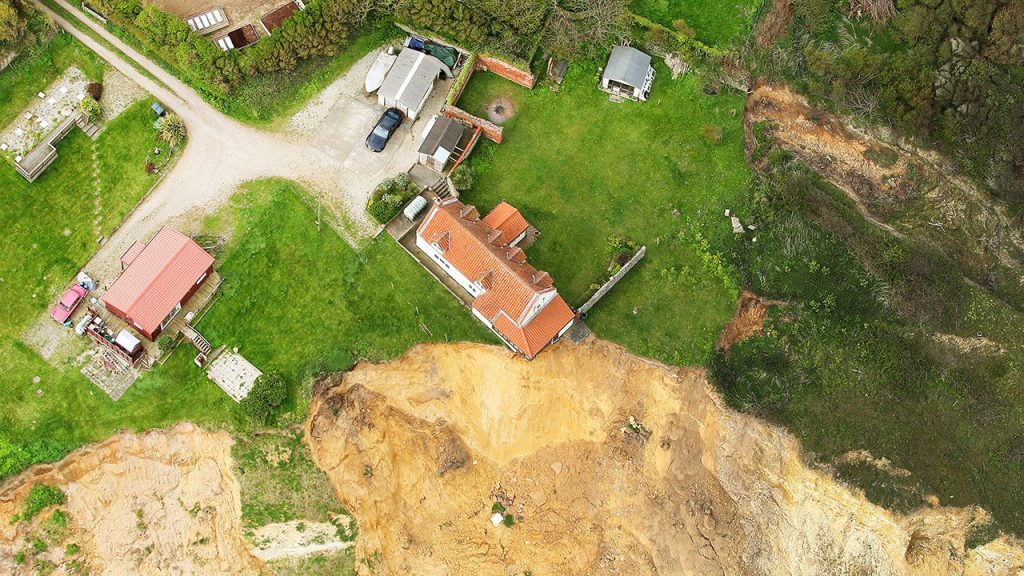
[
  {"x": 48, "y": 236},
  {"x": 294, "y": 300},
  {"x": 581, "y": 169},
  {"x": 717, "y": 23}
]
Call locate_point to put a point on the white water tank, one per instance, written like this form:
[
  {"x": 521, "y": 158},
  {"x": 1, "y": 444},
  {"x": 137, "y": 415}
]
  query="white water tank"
[{"x": 413, "y": 209}]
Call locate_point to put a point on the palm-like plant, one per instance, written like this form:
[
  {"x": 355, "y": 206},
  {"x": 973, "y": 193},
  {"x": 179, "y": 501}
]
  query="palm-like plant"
[{"x": 171, "y": 130}]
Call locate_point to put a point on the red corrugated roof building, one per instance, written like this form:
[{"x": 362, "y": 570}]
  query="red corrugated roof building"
[
  {"x": 516, "y": 300},
  {"x": 157, "y": 279}
]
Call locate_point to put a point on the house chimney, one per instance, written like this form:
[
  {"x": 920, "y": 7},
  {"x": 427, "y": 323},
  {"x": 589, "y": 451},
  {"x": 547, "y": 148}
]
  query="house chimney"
[
  {"x": 493, "y": 237},
  {"x": 515, "y": 254},
  {"x": 468, "y": 212},
  {"x": 541, "y": 278}
]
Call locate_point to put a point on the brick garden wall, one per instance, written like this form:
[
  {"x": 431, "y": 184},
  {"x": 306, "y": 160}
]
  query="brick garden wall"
[
  {"x": 506, "y": 70},
  {"x": 489, "y": 129}
]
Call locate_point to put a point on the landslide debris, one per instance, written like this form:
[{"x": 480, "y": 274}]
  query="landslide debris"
[
  {"x": 603, "y": 463},
  {"x": 163, "y": 502}
]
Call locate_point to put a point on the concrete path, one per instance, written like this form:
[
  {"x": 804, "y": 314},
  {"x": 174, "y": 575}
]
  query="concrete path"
[{"x": 222, "y": 153}]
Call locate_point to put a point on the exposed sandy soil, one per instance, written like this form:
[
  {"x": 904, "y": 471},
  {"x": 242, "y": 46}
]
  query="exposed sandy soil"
[
  {"x": 164, "y": 502},
  {"x": 420, "y": 449},
  {"x": 751, "y": 312}
]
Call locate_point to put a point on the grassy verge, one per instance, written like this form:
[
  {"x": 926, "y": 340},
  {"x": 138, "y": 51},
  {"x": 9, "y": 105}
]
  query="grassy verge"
[
  {"x": 40, "y": 65},
  {"x": 713, "y": 22},
  {"x": 279, "y": 481},
  {"x": 582, "y": 169},
  {"x": 95, "y": 36},
  {"x": 326, "y": 564},
  {"x": 269, "y": 99}
]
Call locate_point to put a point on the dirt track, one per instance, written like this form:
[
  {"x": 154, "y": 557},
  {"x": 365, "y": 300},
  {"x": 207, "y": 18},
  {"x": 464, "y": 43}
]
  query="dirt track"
[{"x": 420, "y": 449}]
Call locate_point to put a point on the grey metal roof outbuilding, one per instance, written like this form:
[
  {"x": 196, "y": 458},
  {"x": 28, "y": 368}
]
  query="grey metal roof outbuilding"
[
  {"x": 410, "y": 80},
  {"x": 628, "y": 66},
  {"x": 445, "y": 133}
]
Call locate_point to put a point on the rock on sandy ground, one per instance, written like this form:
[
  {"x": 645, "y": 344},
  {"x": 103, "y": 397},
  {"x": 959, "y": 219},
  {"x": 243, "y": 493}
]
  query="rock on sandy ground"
[
  {"x": 609, "y": 464},
  {"x": 164, "y": 502}
]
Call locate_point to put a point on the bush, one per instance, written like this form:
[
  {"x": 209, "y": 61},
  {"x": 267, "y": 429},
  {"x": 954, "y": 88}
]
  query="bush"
[
  {"x": 268, "y": 394},
  {"x": 463, "y": 177},
  {"x": 91, "y": 109},
  {"x": 165, "y": 343},
  {"x": 94, "y": 90},
  {"x": 41, "y": 497},
  {"x": 389, "y": 197}
]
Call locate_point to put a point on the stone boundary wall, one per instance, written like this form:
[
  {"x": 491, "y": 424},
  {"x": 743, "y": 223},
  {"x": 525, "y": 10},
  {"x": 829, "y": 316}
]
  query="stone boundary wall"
[
  {"x": 613, "y": 281},
  {"x": 490, "y": 130}
]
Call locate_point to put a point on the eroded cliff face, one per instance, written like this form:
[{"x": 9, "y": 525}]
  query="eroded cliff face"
[
  {"x": 609, "y": 464},
  {"x": 163, "y": 502}
]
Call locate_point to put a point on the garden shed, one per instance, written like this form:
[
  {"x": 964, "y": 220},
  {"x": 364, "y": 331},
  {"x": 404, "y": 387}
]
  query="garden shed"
[
  {"x": 628, "y": 74},
  {"x": 442, "y": 142},
  {"x": 410, "y": 81}
]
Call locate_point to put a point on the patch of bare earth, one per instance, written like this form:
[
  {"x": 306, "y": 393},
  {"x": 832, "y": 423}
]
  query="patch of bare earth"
[
  {"x": 774, "y": 24},
  {"x": 751, "y": 312},
  {"x": 163, "y": 502},
  {"x": 607, "y": 464}
]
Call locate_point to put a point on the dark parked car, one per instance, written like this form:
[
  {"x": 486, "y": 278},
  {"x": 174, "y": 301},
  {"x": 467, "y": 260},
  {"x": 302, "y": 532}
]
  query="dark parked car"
[{"x": 385, "y": 128}]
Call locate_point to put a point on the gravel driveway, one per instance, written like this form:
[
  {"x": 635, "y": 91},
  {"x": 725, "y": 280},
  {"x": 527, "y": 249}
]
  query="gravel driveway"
[{"x": 323, "y": 149}]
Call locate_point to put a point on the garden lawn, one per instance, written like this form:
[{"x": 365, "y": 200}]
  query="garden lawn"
[
  {"x": 581, "y": 168},
  {"x": 40, "y": 65},
  {"x": 714, "y": 22},
  {"x": 294, "y": 300},
  {"x": 48, "y": 235}
]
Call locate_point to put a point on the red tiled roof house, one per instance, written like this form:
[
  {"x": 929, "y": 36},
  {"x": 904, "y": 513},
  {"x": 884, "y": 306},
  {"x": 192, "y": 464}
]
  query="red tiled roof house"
[
  {"x": 512, "y": 298},
  {"x": 156, "y": 280}
]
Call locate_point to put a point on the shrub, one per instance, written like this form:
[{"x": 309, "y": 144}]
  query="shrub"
[
  {"x": 165, "y": 343},
  {"x": 94, "y": 90},
  {"x": 463, "y": 177},
  {"x": 72, "y": 549},
  {"x": 41, "y": 497},
  {"x": 38, "y": 544},
  {"x": 389, "y": 197},
  {"x": 91, "y": 109},
  {"x": 683, "y": 28},
  {"x": 268, "y": 394}
]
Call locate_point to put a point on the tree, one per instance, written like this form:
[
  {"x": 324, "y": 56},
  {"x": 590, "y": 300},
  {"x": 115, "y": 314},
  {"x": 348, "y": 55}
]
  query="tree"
[
  {"x": 171, "y": 130},
  {"x": 268, "y": 394},
  {"x": 586, "y": 28}
]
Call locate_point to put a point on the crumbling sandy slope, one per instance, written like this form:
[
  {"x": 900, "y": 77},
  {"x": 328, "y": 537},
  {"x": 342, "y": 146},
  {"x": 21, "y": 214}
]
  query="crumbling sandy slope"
[
  {"x": 420, "y": 449},
  {"x": 163, "y": 502}
]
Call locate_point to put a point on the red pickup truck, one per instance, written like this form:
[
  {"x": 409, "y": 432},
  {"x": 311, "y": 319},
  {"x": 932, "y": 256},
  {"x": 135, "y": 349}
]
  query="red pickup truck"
[{"x": 68, "y": 302}]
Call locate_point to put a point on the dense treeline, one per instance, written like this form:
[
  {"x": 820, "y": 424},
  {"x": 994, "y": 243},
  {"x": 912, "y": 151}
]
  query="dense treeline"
[
  {"x": 948, "y": 71},
  {"x": 322, "y": 29},
  {"x": 20, "y": 24},
  {"x": 509, "y": 27}
]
